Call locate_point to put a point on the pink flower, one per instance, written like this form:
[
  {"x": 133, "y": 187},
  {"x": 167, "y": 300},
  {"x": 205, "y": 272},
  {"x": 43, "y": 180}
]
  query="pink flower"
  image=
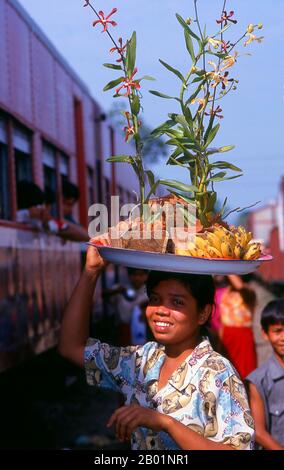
[
  {"x": 215, "y": 112},
  {"x": 129, "y": 129},
  {"x": 129, "y": 84},
  {"x": 226, "y": 17},
  {"x": 120, "y": 50},
  {"x": 225, "y": 45},
  {"x": 104, "y": 21}
]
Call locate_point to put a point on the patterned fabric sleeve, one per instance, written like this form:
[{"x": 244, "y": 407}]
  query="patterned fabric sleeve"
[
  {"x": 225, "y": 410},
  {"x": 110, "y": 367}
]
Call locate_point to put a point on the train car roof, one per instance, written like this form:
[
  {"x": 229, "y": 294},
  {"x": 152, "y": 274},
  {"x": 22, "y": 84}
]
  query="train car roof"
[{"x": 44, "y": 39}]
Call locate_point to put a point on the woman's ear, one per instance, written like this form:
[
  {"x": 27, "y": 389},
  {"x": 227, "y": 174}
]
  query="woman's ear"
[{"x": 205, "y": 314}]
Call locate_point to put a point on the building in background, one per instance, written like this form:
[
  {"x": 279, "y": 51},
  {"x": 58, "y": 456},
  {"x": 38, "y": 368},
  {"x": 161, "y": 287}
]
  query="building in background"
[
  {"x": 51, "y": 130},
  {"x": 267, "y": 224}
]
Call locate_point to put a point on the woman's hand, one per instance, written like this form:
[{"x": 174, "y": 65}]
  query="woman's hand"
[
  {"x": 94, "y": 262},
  {"x": 128, "y": 418}
]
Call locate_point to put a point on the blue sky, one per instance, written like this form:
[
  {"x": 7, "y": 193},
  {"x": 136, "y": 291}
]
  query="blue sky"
[{"x": 254, "y": 114}]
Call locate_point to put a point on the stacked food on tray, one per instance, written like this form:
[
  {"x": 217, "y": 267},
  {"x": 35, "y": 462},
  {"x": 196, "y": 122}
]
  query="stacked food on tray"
[{"x": 188, "y": 133}]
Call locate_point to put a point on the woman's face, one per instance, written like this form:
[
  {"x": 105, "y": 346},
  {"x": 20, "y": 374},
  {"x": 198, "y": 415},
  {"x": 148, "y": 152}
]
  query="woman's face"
[{"x": 172, "y": 313}]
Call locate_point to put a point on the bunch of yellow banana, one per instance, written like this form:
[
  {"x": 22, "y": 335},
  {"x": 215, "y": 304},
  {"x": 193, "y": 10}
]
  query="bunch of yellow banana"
[{"x": 220, "y": 242}]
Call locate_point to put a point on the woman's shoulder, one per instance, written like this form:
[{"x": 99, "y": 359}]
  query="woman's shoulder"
[{"x": 219, "y": 365}]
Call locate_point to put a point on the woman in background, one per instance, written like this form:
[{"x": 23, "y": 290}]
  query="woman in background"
[{"x": 236, "y": 311}]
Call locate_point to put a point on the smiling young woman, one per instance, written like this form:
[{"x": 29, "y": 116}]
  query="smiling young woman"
[{"x": 179, "y": 393}]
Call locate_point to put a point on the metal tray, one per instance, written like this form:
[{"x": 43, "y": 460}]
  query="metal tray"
[{"x": 177, "y": 263}]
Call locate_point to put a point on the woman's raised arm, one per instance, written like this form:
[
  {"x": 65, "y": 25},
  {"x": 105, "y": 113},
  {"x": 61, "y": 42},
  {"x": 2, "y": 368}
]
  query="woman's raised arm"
[{"x": 76, "y": 318}]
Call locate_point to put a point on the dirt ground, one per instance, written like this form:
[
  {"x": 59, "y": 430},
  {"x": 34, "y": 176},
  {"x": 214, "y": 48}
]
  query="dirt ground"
[{"x": 47, "y": 404}]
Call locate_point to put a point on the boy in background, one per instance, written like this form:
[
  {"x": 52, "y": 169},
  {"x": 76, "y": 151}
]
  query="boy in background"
[{"x": 266, "y": 384}]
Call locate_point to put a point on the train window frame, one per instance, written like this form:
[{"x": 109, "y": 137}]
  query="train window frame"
[
  {"x": 50, "y": 173},
  {"x": 23, "y": 152},
  {"x": 5, "y": 209},
  {"x": 17, "y": 134}
]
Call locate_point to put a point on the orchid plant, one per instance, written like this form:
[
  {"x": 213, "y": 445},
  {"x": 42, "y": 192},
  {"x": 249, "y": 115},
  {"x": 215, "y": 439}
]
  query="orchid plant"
[
  {"x": 128, "y": 86},
  {"x": 191, "y": 131}
]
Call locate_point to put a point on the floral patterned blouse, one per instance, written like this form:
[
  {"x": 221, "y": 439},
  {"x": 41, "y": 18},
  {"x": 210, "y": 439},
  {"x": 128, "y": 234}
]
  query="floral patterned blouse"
[{"x": 204, "y": 393}]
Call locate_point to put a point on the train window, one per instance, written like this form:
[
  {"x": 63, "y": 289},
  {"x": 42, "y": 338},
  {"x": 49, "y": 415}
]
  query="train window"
[
  {"x": 23, "y": 153},
  {"x": 49, "y": 173},
  {"x": 64, "y": 167},
  {"x": 4, "y": 176},
  {"x": 99, "y": 189}
]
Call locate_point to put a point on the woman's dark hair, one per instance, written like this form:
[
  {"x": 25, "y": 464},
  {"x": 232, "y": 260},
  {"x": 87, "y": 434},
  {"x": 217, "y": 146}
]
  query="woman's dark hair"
[
  {"x": 272, "y": 314},
  {"x": 200, "y": 286}
]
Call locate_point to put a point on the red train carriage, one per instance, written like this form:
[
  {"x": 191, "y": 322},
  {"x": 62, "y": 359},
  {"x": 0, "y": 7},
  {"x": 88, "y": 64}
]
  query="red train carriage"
[{"x": 51, "y": 129}]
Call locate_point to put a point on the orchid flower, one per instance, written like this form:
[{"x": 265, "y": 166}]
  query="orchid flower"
[
  {"x": 129, "y": 84},
  {"x": 215, "y": 43},
  {"x": 251, "y": 38},
  {"x": 226, "y": 17},
  {"x": 215, "y": 112},
  {"x": 119, "y": 49},
  {"x": 129, "y": 129},
  {"x": 201, "y": 102},
  {"x": 217, "y": 77},
  {"x": 229, "y": 61},
  {"x": 104, "y": 21}
]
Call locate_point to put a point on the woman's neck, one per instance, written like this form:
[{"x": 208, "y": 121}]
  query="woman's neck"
[{"x": 183, "y": 349}]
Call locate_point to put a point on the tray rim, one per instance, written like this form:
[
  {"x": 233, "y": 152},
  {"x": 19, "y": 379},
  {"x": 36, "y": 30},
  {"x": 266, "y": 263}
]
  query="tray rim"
[{"x": 263, "y": 258}]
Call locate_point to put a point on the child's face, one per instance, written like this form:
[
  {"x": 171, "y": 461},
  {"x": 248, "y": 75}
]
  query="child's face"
[
  {"x": 275, "y": 335},
  {"x": 172, "y": 313}
]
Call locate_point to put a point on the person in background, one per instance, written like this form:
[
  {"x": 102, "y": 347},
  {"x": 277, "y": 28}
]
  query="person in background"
[
  {"x": 236, "y": 310},
  {"x": 71, "y": 195},
  {"x": 215, "y": 328},
  {"x": 264, "y": 295},
  {"x": 266, "y": 384},
  {"x": 30, "y": 203},
  {"x": 123, "y": 299}
]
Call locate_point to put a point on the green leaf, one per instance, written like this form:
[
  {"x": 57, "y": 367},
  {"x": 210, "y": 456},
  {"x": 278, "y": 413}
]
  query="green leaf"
[
  {"x": 211, "y": 135},
  {"x": 135, "y": 105},
  {"x": 153, "y": 184},
  {"x": 171, "y": 69},
  {"x": 147, "y": 77},
  {"x": 198, "y": 79},
  {"x": 226, "y": 148},
  {"x": 131, "y": 54},
  {"x": 162, "y": 95},
  {"x": 189, "y": 44},
  {"x": 163, "y": 127},
  {"x": 223, "y": 206},
  {"x": 113, "y": 84},
  {"x": 113, "y": 66},
  {"x": 186, "y": 27},
  {"x": 120, "y": 158},
  {"x": 178, "y": 185},
  {"x": 222, "y": 30},
  {"x": 220, "y": 177},
  {"x": 224, "y": 166},
  {"x": 212, "y": 201},
  {"x": 195, "y": 94},
  {"x": 183, "y": 197},
  {"x": 151, "y": 177}
]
